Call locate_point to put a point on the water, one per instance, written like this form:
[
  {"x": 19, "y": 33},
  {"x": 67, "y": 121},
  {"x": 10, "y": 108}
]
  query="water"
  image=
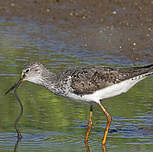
[{"x": 51, "y": 123}]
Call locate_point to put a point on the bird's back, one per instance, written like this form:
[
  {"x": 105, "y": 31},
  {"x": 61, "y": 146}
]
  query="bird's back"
[{"x": 87, "y": 79}]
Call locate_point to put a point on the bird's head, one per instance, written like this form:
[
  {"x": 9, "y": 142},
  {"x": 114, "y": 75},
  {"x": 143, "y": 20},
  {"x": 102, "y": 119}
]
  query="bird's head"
[{"x": 32, "y": 72}]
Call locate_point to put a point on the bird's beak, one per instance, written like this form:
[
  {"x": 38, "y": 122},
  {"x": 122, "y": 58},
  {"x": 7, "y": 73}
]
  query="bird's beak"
[{"x": 15, "y": 85}]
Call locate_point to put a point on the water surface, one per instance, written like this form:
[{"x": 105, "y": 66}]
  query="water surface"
[{"x": 51, "y": 123}]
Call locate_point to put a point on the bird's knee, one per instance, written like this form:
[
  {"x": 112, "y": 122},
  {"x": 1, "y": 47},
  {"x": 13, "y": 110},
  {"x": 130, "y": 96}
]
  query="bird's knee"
[{"x": 109, "y": 118}]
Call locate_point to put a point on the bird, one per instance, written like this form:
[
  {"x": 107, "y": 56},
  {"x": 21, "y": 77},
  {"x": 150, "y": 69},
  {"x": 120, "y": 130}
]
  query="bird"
[{"x": 89, "y": 84}]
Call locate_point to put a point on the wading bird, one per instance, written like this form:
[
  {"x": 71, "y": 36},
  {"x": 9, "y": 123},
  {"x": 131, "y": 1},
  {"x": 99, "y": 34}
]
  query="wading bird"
[{"x": 86, "y": 84}]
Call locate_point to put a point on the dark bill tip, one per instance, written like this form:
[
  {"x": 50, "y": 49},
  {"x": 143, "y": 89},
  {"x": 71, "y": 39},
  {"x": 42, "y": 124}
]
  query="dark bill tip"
[{"x": 14, "y": 86}]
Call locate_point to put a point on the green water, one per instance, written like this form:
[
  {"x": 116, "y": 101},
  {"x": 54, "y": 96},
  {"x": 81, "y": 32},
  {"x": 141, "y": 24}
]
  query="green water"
[{"x": 54, "y": 124}]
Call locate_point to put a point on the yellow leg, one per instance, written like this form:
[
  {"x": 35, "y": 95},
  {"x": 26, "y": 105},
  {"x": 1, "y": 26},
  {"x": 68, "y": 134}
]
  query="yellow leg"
[
  {"x": 89, "y": 125},
  {"x": 108, "y": 123}
]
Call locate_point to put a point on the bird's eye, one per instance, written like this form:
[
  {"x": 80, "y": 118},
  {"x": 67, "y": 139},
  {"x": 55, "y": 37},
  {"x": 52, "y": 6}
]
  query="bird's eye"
[{"x": 27, "y": 70}]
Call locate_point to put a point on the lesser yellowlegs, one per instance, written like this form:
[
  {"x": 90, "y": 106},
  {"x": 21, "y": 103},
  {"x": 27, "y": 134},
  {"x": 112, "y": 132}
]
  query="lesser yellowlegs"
[{"x": 86, "y": 84}]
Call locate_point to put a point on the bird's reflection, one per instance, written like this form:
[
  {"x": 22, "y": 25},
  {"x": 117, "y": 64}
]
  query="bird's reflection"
[
  {"x": 88, "y": 149},
  {"x": 16, "y": 144},
  {"x": 104, "y": 148},
  {"x": 19, "y": 135},
  {"x": 15, "y": 86},
  {"x": 87, "y": 146}
]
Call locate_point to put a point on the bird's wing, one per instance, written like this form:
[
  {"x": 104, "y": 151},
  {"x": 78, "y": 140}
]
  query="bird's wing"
[
  {"x": 86, "y": 80},
  {"x": 89, "y": 79}
]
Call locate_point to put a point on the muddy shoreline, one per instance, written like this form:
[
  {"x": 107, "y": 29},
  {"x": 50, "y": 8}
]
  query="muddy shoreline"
[{"x": 115, "y": 27}]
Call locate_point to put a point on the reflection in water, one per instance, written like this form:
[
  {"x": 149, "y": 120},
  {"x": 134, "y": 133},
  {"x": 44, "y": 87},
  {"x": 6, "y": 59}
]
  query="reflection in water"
[
  {"x": 104, "y": 148},
  {"x": 16, "y": 144},
  {"x": 19, "y": 135},
  {"x": 87, "y": 146},
  {"x": 15, "y": 86},
  {"x": 16, "y": 121},
  {"x": 88, "y": 149},
  {"x": 20, "y": 114}
]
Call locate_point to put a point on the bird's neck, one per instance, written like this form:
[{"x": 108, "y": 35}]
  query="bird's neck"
[{"x": 49, "y": 81}]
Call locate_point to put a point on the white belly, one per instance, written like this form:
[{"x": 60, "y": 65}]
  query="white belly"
[{"x": 107, "y": 92}]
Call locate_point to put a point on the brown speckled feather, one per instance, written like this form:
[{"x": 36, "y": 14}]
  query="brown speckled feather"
[{"x": 86, "y": 80}]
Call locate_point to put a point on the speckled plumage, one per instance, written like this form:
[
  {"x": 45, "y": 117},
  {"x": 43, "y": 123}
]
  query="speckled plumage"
[{"x": 86, "y": 80}]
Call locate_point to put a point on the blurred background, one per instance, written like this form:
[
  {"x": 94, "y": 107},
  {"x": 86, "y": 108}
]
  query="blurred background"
[{"x": 62, "y": 33}]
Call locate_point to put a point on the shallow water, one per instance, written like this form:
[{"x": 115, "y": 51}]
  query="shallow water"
[{"x": 51, "y": 123}]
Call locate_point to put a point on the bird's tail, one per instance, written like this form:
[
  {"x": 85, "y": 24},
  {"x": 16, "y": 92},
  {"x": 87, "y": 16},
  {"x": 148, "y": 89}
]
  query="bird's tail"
[
  {"x": 150, "y": 66},
  {"x": 148, "y": 69},
  {"x": 141, "y": 70}
]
